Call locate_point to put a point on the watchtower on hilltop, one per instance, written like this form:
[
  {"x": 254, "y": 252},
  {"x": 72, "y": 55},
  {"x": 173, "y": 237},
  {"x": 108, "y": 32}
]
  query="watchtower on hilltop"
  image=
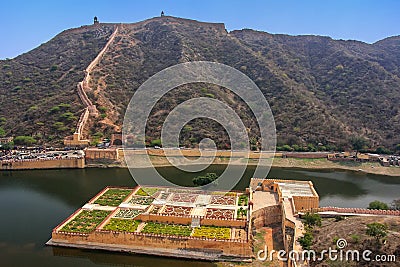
[{"x": 95, "y": 20}]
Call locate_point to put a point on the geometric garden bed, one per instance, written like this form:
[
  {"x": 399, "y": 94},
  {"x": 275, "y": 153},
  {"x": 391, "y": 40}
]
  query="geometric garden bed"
[{"x": 86, "y": 221}]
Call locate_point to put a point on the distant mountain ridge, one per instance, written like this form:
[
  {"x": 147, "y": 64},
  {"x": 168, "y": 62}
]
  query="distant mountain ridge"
[{"x": 320, "y": 90}]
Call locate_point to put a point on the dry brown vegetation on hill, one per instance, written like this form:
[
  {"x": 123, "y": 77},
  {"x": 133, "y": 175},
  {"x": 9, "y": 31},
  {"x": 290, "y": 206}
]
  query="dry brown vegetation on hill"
[{"x": 320, "y": 90}]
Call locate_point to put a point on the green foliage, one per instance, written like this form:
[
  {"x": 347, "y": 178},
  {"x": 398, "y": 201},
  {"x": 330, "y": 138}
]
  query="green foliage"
[
  {"x": 53, "y": 68},
  {"x": 146, "y": 191},
  {"x": 86, "y": 221},
  {"x": 355, "y": 238},
  {"x": 312, "y": 219},
  {"x": 7, "y": 146},
  {"x": 102, "y": 109},
  {"x": 122, "y": 225},
  {"x": 24, "y": 140},
  {"x": 306, "y": 240},
  {"x": 383, "y": 150},
  {"x": 155, "y": 142},
  {"x": 376, "y": 230},
  {"x": 68, "y": 116},
  {"x": 113, "y": 197},
  {"x": 378, "y": 205},
  {"x": 60, "y": 126},
  {"x": 243, "y": 200},
  {"x": 54, "y": 109},
  {"x": 2, "y": 132},
  {"x": 167, "y": 229},
  {"x": 212, "y": 232},
  {"x": 33, "y": 108},
  {"x": 204, "y": 179},
  {"x": 241, "y": 212},
  {"x": 358, "y": 142},
  {"x": 2, "y": 120}
]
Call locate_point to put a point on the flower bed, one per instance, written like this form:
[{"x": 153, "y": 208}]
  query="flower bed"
[
  {"x": 141, "y": 200},
  {"x": 223, "y": 200},
  {"x": 146, "y": 191},
  {"x": 113, "y": 197},
  {"x": 86, "y": 221},
  {"x": 167, "y": 229},
  {"x": 177, "y": 211},
  {"x": 183, "y": 197},
  {"x": 163, "y": 196},
  {"x": 122, "y": 225},
  {"x": 127, "y": 213},
  {"x": 212, "y": 232},
  {"x": 243, "y": 200},
  {"x": 155, "y": 209},
  {"x": 219, "y": 214}
]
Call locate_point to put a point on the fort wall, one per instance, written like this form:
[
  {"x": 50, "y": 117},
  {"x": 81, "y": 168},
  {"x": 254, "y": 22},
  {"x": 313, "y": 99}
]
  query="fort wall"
[{"x": 77, "y": 163}]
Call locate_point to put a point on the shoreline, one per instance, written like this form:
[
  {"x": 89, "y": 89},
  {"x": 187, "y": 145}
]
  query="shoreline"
[{"x": 286, "y": 163}]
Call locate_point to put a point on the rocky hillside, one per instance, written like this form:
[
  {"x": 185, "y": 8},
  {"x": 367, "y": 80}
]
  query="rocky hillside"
[{"x": 320, "y": 90}]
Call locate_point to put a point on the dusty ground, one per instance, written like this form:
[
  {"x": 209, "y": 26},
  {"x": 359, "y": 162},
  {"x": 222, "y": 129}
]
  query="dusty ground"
[{"x": 353, "y": 229}]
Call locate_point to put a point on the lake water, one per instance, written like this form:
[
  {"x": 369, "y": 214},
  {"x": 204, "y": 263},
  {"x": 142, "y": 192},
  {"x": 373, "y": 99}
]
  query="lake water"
[{"x": 32, "y": 203}]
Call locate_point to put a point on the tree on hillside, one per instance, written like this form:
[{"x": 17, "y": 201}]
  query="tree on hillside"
[
  {"x": 312, "y": 219},
  {"x": 358, "y": 143},
  {"x": 24, "y": 140},
  {"x": 2, "y": 132},
  {"x": 377, "y": 230},
  {"x": 378, "y": 205}
]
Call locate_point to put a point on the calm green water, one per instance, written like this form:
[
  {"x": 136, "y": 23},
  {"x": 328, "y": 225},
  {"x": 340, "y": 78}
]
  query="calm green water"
[{"x": 32, "y": 203}]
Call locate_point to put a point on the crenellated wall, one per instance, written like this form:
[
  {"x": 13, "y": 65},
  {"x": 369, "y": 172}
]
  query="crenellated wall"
[
  {"x": 235, "y": 248},
  {"x": 78, "y": 163}
]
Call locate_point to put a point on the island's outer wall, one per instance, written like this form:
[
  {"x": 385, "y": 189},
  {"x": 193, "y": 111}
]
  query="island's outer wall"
[{"x": 138, "y": 241}]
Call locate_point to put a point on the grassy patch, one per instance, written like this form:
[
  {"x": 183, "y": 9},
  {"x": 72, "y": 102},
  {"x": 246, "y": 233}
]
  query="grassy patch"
[
  {"x": 212, "y": 232},
  {"x": 146, "y": 191},
  {"x": 122, "y": 225},
  {"x": 167, "y": 229}
]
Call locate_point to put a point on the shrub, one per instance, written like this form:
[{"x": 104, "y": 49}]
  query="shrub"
[
  {"x": 24, "y": 140},
  {"x": 378, "y": 205}
]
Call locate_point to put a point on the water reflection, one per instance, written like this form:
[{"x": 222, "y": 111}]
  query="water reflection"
[{"x": 34, "y": 202}]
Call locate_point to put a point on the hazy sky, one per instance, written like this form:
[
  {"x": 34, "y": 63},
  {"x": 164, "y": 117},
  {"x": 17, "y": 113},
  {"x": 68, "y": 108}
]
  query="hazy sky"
[{"x": 27, "y": 24}]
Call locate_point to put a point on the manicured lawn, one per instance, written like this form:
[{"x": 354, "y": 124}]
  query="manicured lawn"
[
  {"x": 122, "y": 225},
  {"x": 212, "y": 232},
  {"x": 167, "y": 229},
  {"x": 113, "y": 197},
  {"x": 146, "y": 191},
  {"x": 86, "y": 221}
]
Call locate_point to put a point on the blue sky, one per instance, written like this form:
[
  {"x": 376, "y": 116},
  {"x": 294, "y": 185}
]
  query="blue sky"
[{"x": 27, "y": 24}]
